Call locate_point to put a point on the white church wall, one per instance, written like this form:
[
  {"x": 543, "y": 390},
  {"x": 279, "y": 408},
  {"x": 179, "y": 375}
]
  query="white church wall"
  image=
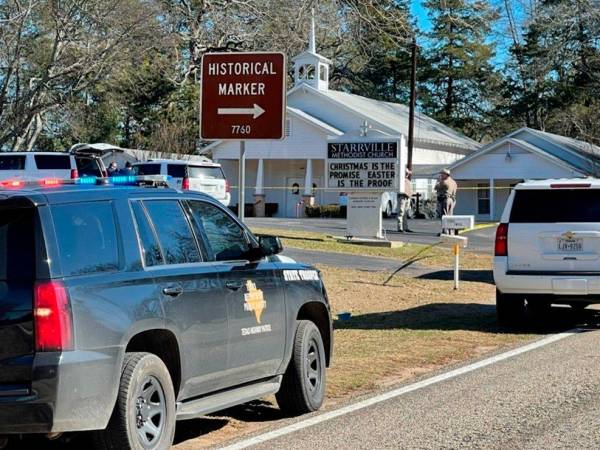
[{"x": 306, "y": 141}]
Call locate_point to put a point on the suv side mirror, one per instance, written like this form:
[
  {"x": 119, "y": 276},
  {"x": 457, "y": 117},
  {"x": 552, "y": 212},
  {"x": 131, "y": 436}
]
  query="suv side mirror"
[{"x": 270, "y": 245}]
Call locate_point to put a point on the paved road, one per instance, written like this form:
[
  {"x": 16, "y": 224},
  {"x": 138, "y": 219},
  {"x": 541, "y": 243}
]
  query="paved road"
[
  {"x": 425, "y": 231},
  {"x": 546, "y": 398}
]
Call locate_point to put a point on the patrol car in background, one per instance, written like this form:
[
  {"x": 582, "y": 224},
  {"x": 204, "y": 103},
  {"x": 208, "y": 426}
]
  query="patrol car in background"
[
  {"x": 124, "y": 308},
  {"x": 547, "y": 248}
]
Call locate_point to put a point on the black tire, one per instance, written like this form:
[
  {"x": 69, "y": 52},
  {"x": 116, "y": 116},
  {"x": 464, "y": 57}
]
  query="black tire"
[
  {"x": 579, "y": 306},
  {"x": 303, "y": 386},
  {"x": 510, "y": 309},
  {"x": 538, "y": 309},
  {"x": 145, "y": 381}
]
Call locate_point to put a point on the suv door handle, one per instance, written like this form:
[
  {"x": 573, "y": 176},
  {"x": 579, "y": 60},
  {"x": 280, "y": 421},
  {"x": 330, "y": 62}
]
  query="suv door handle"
[
  {"x": 234, "y": 285},
  {"x": 173, "y": 291}
]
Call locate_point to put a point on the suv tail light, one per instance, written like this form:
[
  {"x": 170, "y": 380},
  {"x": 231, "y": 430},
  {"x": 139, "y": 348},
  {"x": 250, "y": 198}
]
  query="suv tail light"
[
  {"x": 74, "y": 174},
  {"x": 52, "y": 316},
  {"x": 105, "y": 173},
  {"x": 227, "y": 187},
  {"x": 501, "y": 245},
  {"x": 185, "y": 184}
]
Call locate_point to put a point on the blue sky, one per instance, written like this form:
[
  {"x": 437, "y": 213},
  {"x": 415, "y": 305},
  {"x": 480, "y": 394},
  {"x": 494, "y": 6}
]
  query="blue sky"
[
  {"x": 502, "y": 44},
  {"x": 420, "y": 12}
]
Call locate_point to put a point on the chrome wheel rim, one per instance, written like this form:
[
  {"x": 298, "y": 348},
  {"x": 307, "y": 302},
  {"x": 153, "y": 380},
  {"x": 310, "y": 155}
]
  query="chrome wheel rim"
[
  {"x": 313, "y": 367},
  {"x": 150, "y": 412}
]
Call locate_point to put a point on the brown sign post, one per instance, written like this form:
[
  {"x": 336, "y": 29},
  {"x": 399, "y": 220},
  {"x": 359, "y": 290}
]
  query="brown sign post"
[{"x": 242, "y": 97}]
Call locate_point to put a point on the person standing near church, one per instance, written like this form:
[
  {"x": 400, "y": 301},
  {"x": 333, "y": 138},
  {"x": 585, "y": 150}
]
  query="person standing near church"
[
  {"x": 404, "y": 203},
  {"x": 445, "y": 189}
]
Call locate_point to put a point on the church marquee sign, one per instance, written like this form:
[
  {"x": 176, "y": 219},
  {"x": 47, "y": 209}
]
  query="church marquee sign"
[{"x": 363, "y": 165}]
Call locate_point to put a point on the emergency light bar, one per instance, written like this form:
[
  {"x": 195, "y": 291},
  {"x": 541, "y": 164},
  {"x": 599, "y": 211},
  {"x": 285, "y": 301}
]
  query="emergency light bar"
[{"x": 117, "y": 180}]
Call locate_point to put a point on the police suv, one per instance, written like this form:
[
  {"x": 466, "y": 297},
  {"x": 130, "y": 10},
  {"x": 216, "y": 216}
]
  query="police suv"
[
  {"x": 124, "y": 308},
  {"x": 547, "y": 248}
]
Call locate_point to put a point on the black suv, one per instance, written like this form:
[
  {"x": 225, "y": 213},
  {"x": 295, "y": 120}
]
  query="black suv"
[{"x": 126, "y": 308}]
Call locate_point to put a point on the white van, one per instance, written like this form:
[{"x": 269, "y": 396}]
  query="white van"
[
  {"x": 27, "y": 166},
  {"x": 547, "y": 248},
  {"x": 203, "y": 176}
]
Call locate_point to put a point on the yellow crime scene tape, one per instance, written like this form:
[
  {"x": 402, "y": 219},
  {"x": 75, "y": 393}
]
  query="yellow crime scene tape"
[{"x": 301, "y": 188}]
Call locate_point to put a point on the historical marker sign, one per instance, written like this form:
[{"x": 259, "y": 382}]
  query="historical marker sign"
[
  {"x": 361, "y": 166},
  {"x": 243, "y": 96}
]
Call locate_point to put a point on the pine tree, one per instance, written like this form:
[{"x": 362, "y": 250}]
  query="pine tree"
[{"x": 459, "y": 78}]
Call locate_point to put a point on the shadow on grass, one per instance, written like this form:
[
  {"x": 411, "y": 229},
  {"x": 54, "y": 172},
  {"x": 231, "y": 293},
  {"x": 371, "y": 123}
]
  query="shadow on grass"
[
  {"x": 480, "y": 275},
  {"x": 469, "y": 317},
  {"x": 257, "y": 411}
]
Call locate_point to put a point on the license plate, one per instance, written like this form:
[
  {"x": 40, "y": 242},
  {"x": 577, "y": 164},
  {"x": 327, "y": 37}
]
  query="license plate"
[
  {"x": 570, "y": 245},
  {"x": 209, "y": 188}
]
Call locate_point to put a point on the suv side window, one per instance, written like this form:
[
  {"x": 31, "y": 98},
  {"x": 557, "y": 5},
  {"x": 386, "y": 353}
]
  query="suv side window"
[
  {"x": 56, "y": 162},
  {"x": 176, "y": 239},
  {"x": 150, "y": 247},
  {"x": 225, "y": 237},
  {"x": 88, "y": 237}
]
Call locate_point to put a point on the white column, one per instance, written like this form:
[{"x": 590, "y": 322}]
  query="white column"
[
  {"x": 308, "y": 179},
  {"x": 492, "y": 193},
  {"x": 259, "y": 189}
]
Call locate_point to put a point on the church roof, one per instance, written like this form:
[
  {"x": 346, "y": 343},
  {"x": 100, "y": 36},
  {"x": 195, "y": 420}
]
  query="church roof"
[
  {"x": 581, "y": 156},
  {"x": 395, "y": 117}
]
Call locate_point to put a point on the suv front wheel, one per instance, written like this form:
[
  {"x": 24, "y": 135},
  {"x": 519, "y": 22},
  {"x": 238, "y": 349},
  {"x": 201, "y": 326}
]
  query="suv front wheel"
[
  {"x": 510, "y": 309},
  {"x": 303, "y": 386},
  {"x": 144, "y": 416}
]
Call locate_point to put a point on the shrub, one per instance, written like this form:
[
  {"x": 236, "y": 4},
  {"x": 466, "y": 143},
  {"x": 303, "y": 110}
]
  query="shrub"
[{"x": 326, "y": 211}]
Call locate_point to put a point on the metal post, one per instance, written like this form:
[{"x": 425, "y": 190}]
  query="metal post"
[
  {"x": 412, "y": 106},
  {"x": 241, "y": 180},
  {"x": 456, "y": 262}
]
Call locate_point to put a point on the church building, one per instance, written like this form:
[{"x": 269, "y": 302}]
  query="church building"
[{"x": 290, "y": 172}]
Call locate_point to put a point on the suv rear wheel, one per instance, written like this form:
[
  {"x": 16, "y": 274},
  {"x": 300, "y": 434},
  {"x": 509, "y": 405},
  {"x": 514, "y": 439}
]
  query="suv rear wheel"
[
  {"x": 144, "y": 416},
  {"x": 303, "y": 386},
  {"x": 510, "y": 309}
]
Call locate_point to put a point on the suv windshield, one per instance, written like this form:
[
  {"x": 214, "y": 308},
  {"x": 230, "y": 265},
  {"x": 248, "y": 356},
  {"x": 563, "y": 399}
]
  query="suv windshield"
[{"x": 556, "y": 205}]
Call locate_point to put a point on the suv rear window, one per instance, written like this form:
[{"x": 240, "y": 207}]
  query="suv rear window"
[
  {"x": 556, "y": 205},
  {"x": 17, "y": 244},
  {"x": 88, "y": 237},
  {"x": 147, "y": 169},
  {"x": 176, "y": 170},
  {"x": 214, "y": 173},
  {"x": 52, "y": 162},
  {"x": 12, "y": 162}
]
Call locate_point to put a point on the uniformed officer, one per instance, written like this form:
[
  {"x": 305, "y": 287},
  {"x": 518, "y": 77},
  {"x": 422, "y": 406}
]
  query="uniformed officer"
[
  {"x": 404, "y": 203},
  {"x": 445, "y": 189}
]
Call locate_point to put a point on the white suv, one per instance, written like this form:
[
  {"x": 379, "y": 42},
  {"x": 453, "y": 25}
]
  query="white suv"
[
  {"x": 547, "y": 248},
  {"x": 28, "y": 166},
  {"x": 202, "y": 176}
]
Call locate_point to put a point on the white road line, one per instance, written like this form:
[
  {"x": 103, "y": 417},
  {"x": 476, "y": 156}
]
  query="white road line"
[{"x": 397, "y": 392}]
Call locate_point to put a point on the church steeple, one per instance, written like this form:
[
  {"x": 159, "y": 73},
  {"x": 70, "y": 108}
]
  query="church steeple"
[{"x": 310, "y": 67}]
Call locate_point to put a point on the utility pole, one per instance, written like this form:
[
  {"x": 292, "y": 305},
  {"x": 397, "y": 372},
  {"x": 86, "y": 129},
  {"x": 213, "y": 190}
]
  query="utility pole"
[{"x": 413, "y": 102}]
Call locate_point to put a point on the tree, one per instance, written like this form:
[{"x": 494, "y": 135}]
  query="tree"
[
  {"x": 52, "y": 52},
  {"x": 554, "y": 73},
  {"x": 459, "y": 80}
]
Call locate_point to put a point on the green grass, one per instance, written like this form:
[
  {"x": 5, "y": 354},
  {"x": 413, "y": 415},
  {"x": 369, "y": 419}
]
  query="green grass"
[{"x": 439, "y": 256}]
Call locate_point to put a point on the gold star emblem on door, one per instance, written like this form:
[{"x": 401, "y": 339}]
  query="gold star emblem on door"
[{"x": 254, "y": 300}]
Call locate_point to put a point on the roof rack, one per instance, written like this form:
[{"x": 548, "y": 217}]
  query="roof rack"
[{"x": 117, "y": 180}]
